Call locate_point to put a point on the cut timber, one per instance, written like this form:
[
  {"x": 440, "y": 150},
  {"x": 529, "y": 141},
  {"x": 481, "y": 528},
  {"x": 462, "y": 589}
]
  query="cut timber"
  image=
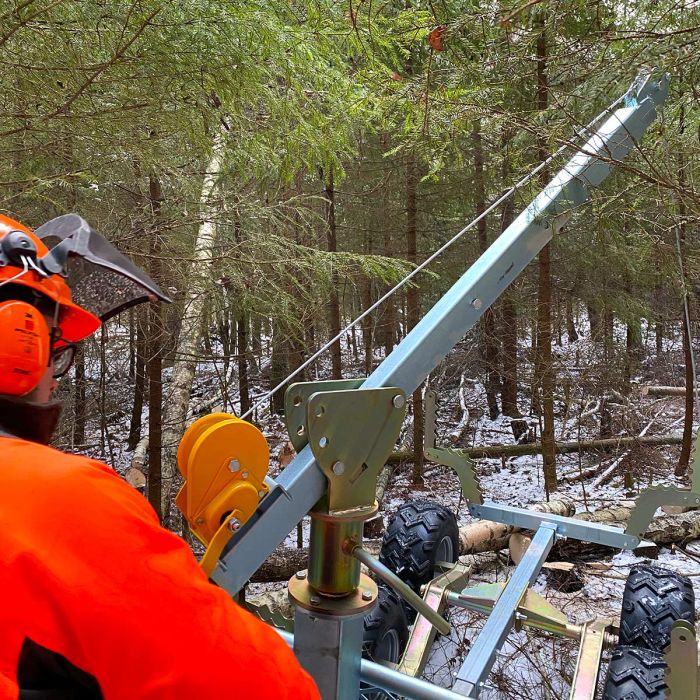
[
  {"x": 663, "y": 391},
  {"x": 488, "y": 536},
  {"x": 134, "y": 475},
  {"x": 492, "y": 451},
  {"x": 663, "y": 530}
]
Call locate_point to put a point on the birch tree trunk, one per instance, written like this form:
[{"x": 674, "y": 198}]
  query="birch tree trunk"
[{"x": 187, "y": 346}]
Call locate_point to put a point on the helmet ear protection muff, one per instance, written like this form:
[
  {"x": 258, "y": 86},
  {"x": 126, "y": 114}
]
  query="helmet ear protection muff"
[{"x": 25, "y": 347}]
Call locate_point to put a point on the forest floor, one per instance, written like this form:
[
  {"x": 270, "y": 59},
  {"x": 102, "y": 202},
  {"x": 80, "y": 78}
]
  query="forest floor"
[
  {"x": 535, "y": 666},
  {"x": 532, "y": 666}
]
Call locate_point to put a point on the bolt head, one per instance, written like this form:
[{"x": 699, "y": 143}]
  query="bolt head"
[
  {"x": 234, "y": 524},
  {"x": 244, "y": 475},
  {"x": 477, "y": 303},
  {"x": 398, "y": 401},
  {"x": 301, "y": 575},
  {"x": 338, "y": 468},
  {"x": 366, "y": 595},
  {"x": 261, "y": 494},
  {"x": 234, "y": 465},
  {"x": 314, "y": 600}
]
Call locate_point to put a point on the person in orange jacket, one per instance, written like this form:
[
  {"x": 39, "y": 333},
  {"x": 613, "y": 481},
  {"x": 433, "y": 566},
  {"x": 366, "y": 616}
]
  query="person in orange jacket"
[{"x": 98, "y": 600}]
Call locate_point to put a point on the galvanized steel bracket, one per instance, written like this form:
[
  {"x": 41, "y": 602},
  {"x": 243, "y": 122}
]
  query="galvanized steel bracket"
[
  {"x": 351, "y": 433},
  {"x": 423, "y": 633},
  {"x": 296, "y": 399},
  {"x": 653, "y": 498},
  {"x": 682, "y": 660}
]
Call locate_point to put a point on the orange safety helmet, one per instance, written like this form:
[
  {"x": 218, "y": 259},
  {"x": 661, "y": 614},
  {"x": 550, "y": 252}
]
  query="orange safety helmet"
[
  {"x": 108, "y": 280},
  {"x": 75, "y": 322}
]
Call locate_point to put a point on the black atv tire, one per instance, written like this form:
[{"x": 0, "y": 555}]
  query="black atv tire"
[
  {"x": 385, "y": 628},
  {"x": 420, "y": 534},
  {"x": 654, "y": 597},
  {"x": 635, "y": 674}
]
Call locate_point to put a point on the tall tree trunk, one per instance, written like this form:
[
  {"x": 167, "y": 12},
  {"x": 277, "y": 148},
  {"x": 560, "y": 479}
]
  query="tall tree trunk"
[
  {"x": 155, "y": 358},
  {"x": 139, "y": 383},
  {"x": 509, "y": 314},
  {"x": 79, "y": 397},
  {"x": 571, "y": 331},
  {"x": 413, "y": 309},
  {"x": 278, "y": 364},
  {"x": 389, "y": 313},
  {"x": 334, "y": 300},
  {"x": 684, "y": 457},
  {"x": 544, "y": 293},
  {"x": 243, "y": 382},
  {"x": 188, "y": 342},
  {"x": 488, "y": 345}
]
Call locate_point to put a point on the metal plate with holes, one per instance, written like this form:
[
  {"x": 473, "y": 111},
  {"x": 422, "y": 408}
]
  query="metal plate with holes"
[
  {"x": 295, "y": 399},
  {"x": 585, "y": 681},
  {"x": 682, "y": 659},
  {"x": 423, "y": 633},
  {"x": 361, "y": 600},
  {"x": 653, "y": 498},
  {"x": 351, "y": 434}
]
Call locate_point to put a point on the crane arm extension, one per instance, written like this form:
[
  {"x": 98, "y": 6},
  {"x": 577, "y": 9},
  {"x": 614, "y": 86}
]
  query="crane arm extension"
[{"x": 302, "y": 483}]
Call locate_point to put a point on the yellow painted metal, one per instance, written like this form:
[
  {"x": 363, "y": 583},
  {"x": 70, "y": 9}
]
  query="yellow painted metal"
[
  {"x": 535, "y": 610},
  {"x": 224, "y": 461},
  {"x": 585, "y": 680},
  {"x": 681, "y": 656},
  {"x": 423, "y": 633}
]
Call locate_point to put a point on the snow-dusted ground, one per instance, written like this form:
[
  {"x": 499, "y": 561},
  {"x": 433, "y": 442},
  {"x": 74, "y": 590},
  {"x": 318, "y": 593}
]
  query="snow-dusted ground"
[{"x": 532, "y": 665}]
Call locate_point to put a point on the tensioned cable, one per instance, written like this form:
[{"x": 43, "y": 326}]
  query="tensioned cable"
[{"x": 580, "y": 133}]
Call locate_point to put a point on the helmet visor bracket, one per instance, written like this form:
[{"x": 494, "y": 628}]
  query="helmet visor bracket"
[{"x": 103, "y": 280}]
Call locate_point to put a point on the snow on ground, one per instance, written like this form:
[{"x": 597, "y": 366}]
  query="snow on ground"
[{"x": 533, "y": 665}]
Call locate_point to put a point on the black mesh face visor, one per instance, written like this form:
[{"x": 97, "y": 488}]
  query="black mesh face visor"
[{"x": 102, "y": 280}]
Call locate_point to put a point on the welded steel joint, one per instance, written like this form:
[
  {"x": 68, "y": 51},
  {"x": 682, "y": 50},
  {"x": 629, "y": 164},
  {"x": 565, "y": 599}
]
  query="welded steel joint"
[{"x": 351, "y": 432}]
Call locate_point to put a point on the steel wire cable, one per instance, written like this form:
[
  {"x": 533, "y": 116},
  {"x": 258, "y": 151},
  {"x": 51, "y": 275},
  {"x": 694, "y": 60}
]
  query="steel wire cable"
[{"x": 509, "y": 193}]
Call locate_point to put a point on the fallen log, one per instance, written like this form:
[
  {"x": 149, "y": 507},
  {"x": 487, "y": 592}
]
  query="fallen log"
[
  {"x": 492, "y": 451},
  {"x": 284, "y": 562},
  {"x": 475, "y": 538},
  {"x": 663, "y": 391},
  {"x": 488, "y": 536},
  {"x": 663, "y": 530}
]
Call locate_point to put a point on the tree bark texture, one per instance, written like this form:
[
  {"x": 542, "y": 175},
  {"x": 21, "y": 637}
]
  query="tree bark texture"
[
  {"x": 139, "y": 383},
  {"x": 79, "y": 397},
  {"x": 334, "y": 299},
  {"x": 544, "y": 296},
  {"x": 155, "y": 359},
  {"x": 242, "y": 343},
  {"x": 488, "y": 345},
  {"x": 413, "y": 309},
  {"x": 389, "y": 306},
  {"x": 188, "y": 342},
  {"x": 684, "y": 458},
  {"x": 509, "y": 314},
  {"x": 494, "y": 451}
]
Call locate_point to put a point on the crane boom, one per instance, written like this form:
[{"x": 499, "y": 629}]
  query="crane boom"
[{"x": 302, "y": 483}]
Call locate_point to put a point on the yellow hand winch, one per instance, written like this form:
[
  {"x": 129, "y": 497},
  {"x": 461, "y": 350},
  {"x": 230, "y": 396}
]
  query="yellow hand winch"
[{"x": 223, "y": 460}]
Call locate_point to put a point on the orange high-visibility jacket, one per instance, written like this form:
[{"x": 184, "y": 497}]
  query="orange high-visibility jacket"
[{"x": 98, "y": 600}]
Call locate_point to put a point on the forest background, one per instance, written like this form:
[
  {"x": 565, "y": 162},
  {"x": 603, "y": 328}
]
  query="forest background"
[{"x": 277, "y": 167}]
